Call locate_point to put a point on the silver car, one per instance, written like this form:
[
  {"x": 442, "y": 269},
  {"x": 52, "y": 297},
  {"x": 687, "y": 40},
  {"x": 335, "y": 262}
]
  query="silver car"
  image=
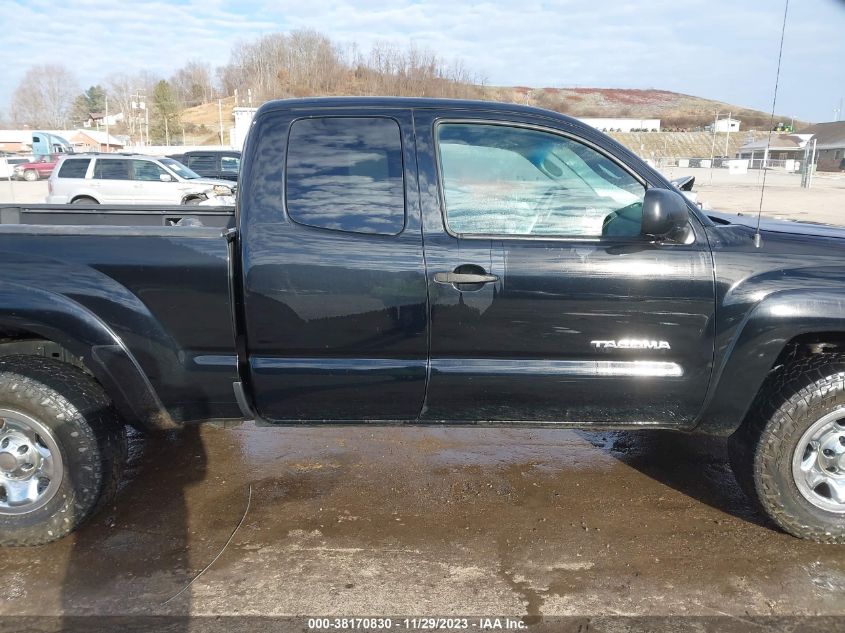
[{"x": 131, "y": 179}]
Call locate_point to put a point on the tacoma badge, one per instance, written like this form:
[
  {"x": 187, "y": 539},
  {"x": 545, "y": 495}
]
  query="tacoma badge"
[{"x": 631, "y": 343}]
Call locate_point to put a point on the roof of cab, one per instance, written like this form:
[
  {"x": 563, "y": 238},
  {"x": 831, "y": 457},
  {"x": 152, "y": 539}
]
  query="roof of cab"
[{"x": 411, "y": 103}]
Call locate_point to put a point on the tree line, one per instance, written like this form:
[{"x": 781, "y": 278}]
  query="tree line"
[{"x": 277, "y": 65}]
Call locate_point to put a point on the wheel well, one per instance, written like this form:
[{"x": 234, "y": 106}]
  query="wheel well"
[
  {"x": 808, "y": 345},
  {"x": 75, "y": 198},
  {"x": 796, "y": 349},
  {"x": 14, "y": 342}
]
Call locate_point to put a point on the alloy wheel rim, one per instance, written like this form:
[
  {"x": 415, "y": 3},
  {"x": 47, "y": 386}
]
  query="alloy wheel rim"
[
  {"x": 31, "y": 468},
  {"x": 818, "y": 463}
]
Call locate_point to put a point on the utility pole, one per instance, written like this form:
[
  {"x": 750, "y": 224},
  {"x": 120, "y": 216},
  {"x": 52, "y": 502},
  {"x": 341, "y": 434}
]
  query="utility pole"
[
  {"x": 713, "y": 146},
  {"x": 727, "y": 134},
  {"x": 107, "y": 122},
  {"x": 220, "y": 118}
]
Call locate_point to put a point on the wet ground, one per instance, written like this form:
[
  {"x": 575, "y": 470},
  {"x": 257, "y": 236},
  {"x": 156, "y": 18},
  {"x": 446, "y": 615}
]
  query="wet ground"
[{"x": 369, "y": 521}]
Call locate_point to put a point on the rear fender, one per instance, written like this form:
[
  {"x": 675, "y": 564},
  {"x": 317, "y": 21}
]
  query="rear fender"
[{"x": 59, "y": 319}]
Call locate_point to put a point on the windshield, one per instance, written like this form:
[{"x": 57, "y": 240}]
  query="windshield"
[{"x": 179, "y": 169}]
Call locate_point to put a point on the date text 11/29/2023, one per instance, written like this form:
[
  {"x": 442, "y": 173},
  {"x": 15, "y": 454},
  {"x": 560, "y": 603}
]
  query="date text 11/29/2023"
[{"x": 416, "y": 624}]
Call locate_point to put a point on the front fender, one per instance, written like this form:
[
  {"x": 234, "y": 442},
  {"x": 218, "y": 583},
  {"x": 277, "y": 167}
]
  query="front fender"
[
  {"x": 59, "y": 319},
  {"x": 760, "y": 338}
]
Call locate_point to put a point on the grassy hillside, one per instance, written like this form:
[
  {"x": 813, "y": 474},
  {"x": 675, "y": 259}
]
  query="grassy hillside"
[
  {"x": 683, "y": 144},
  {"x": 676, "y": 111}
]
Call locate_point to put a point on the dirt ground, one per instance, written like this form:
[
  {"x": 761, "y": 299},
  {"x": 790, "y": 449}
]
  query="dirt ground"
[
  {"x": 784, "y": 198},
  {"x": 422, "y": 521}
]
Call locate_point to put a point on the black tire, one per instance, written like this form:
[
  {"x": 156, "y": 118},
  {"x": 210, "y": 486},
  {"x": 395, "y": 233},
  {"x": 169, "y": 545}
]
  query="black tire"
[
  {"x": 794, "y": 398},
  {"x": 84, "y": 200},
  {"x": 30, "y": 175},
  {"x": 90, "y": 437},
  {"x": 192, "y": 201}
]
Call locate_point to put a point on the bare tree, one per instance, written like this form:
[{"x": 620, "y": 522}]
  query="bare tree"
[
  {"x": 193, "y": 83},
  {"x": 44, "y": 96}
]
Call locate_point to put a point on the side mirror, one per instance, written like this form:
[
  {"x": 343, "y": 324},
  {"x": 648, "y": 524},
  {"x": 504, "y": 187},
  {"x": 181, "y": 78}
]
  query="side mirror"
[
  {"x": 165, "y": 177},
  {"x": 664, "y": 212}
]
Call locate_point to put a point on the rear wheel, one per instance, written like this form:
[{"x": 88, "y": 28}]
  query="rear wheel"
[
  {"x": 192, "y": 201},
  {"x": 84, "y": 200},
  {"x": 30, "y": 175},
  {"x": 789, "y": 455},
  {"x": 62, "y": 449}
]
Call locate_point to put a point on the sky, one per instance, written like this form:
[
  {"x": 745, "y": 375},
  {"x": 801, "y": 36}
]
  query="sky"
[{"x": 719, "y": 49}]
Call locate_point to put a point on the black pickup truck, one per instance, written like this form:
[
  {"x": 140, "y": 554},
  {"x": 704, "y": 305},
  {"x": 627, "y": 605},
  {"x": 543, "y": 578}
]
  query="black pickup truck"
[{"x": 416, "y": 261}]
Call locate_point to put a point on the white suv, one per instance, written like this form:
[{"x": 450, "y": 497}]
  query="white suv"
[{"x": 131, "y": 179}]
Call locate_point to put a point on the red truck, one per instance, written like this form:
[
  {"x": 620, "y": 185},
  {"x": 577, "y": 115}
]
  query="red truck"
[{"x": 38, "y": 169}]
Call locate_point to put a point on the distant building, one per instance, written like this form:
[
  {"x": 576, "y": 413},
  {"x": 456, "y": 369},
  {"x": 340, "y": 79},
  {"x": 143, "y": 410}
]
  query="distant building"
[
  {"x": 623, "y": 125},
  {"x": 82, "y": 140},
  {"x": 15, "y": 141},
  {"x": 98, "y": 119},
  {"x": 87, "y": 140},
  {"x": 830, "y": 145},
  {"x": 781, "y": 147},
  {"x": 243, "y": 119},
  {"x": 727, "y": 125}
]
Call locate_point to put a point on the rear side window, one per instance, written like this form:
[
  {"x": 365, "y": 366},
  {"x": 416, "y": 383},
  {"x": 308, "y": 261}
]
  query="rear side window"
[
  {"x": 74, "y": 168},
  {"x": 111, "y": 170},
  {"x": 204, "y": 163},
  {"x": 230, "y": 164},
  {"x": 345, "y": 174}
]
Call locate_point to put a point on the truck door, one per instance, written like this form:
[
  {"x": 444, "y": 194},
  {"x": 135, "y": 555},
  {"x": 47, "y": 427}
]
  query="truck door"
[
  {"x": 332, "y": 266},
  {"x": 546, "y": 303}
]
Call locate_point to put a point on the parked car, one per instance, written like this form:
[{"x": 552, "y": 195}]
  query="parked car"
[
  {"x": 8, "y": 164},
  {"x": 37, "y": 169},
  {"x": 222, "y": 164},
  {"x": 131, "y": 179},
  {"x": 430, "y": 262}
]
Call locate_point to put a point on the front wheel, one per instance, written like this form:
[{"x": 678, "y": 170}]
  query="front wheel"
[
  {"x": 30, "y": 175},
  {"x": 62, "y": 449},
  {"x": 790, "y": 453}
]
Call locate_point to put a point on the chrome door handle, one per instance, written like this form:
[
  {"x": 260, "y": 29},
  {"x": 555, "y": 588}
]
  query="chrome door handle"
[{"x": 464, "y": 278}]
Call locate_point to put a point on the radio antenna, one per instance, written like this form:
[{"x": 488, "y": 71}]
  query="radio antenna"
[{"x": 758, "y": 239}]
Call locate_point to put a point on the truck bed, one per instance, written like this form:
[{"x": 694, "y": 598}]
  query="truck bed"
[
  {"x": 113, "y": 215},
  {"x": 162, "y": 288}
]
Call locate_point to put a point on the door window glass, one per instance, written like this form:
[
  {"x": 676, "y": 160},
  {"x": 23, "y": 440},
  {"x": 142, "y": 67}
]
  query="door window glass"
[
  {"x": 502, "y": 180},
  {"x": 345, "y": 174},
  {"x": 107, "y": 169},
  {"x": 146, "y": 170}
]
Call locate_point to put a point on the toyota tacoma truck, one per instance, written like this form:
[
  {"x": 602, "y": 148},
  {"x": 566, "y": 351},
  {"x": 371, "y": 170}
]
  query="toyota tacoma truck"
[{"x": 418, "y": 261}]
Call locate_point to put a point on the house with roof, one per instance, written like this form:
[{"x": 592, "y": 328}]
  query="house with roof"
[
  {"x": 769, "y": 152},
  {"x": 830, "y": 145},
  {"x": 88, "y": 140}
]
